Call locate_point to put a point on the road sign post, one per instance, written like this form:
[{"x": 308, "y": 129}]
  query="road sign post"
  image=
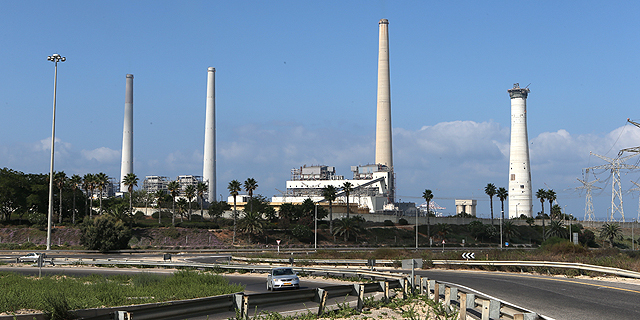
[{"x": 278, "y": 242}]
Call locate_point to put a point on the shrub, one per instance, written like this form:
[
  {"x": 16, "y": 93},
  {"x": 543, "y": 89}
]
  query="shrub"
[
  {"x": 403, "y": 222},
  {"x": 302, "y": 232},
  {"x": 104, "y": 233}
]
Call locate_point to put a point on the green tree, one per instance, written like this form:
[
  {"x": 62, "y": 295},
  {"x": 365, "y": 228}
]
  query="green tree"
[
  {"x": 105, "y": 233},
  {"x": 60, "y": 180},
  {"x": 250, "y": 185},
  {"x": 510, "y": 230},
  {"x": 541, "y": 194},
  {"x": 348, "y": 227},
  {"x": 252, "y": 223},
  {"x": 190, "y": 193},
  {"x": 88, "y": 183},
  {"x": 130, "y": 180},
  {"x": 182, "y": 204},
  {"x": 347, "y": 187},
  {"x": 443, "y": 229},
  {"x": 556, "y": 229},
  {"x": 427, "y": 195},
  {"x": 174, "y": 189},
  {"x": 611, "y": 231},
  {"x": 75, "y": 181},
  {"x": 502, "y": 195},
  {"x": 101, "y": 180},
  {"x": 201, "y": 189},
  {"x": 217, "y": 209},
  {"x": 551, "y": 196},
  {"x": 476, "y": 228},
  {"x": 234, "y": 188},
  {"x": 490, "y": 190},
  {"x": 329, "y": 193}
]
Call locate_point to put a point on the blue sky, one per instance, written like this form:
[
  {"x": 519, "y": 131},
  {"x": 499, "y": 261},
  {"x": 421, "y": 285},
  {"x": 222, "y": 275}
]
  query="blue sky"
[{"x": 296, "y": 84}]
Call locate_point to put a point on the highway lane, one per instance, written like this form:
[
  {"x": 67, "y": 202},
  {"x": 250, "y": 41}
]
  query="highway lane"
[{"x": 556, "y": 297}]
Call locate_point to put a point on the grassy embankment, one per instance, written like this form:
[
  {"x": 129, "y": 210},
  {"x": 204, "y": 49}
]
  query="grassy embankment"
[{"x": 53, "y": 294}]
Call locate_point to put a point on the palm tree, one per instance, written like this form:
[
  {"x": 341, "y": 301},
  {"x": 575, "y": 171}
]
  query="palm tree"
[
  {"x": 182, "y": 207},
  {"x": 234, "y": 187},
  {"x": 428, "y": 196},
  {"x": 252, "y": 223},
  {"x": 490, "y": 190},
  {"x": 174, "y": 188},
  {"x": 347, "y": 187},
  {"x": 86, "y": 185},
  {"x": 201, "y": 188},
  {"x": 60, "y": 178},
  {"x": 542, "y": 195},
  {"x": 502, "y": 195},
  {"x": 130, "y": 180},
  {"x": 249, "y": 186},
  {"x": 75, "y": 181},
  {"x": 551, "y": 196},
  {"x": 159, "y": 194},
  {"x": 347, "y": 227},
  {"x": 556, "y": 229},
  {"x": 101, "y": 181},
  {"x": 190, "y": 193},
  {"x": 329, "y": 193},
  {"x": 510, "y": 230},
  {"x": 611, "y": 231}
]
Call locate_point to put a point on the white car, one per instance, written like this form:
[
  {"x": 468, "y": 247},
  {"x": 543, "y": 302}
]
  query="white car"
[
  {"x": 30, "y": 257},
  {"x": 282, "y": 277}
]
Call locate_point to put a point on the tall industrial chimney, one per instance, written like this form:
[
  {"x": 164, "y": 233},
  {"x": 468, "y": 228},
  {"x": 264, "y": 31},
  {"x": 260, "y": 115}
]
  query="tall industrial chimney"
[
  {"x": 126, "y": 166},
  {"x": 384, "y": 154},
  {"x": 519, "y": 170},
  {"x": 383, "y": 122},
  {"x": 209, "y": 169}
]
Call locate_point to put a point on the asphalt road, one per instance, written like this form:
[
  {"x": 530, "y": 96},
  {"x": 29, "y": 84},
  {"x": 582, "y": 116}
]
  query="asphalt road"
[{"x": 556, "y": 297}]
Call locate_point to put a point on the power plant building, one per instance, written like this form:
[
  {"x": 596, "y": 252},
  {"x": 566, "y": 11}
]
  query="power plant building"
[{"x": 370, "y": 186}]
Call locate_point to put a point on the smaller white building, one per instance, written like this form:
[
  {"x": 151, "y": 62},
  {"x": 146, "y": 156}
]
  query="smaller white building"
[{"x": 466, "y": 206}]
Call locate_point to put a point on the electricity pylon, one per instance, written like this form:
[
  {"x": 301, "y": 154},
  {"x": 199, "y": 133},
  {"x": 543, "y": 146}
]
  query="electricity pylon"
[
  {"x": 636, "y": 189},
  {"x": 615, "y": 165},
  {"x": 588, "y": 206}
]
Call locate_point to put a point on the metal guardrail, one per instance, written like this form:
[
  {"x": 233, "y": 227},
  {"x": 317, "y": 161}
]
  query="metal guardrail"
[{"x": 547, "y": 264}]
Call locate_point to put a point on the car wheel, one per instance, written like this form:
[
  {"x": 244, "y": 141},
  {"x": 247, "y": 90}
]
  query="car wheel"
[{"x": 268, "y": 287}]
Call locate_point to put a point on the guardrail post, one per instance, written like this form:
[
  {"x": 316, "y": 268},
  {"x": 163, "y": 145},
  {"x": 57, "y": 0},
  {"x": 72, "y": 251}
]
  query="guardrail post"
[
  {"x": 405, "y": 288},
  {"x": 241, "y": 303},
  {"x": 424, "y": 286},
  {"x": 416, "y": 284},
  {"x": 485, "y": 309},
  {"x": 360, "y": 290},
  {"x": 431, "y": 287},
  {"x": 384, "y": 287},
  {"x": 122, "y": 315},
  {"x": 436, "y": 292},
  {"x": 447, "y": 296},
  {"x": 321, "y": 294},
  {"x": 453, "y": 295},
  {"x": 525, "y": 316},
  {"x": 462, "y": 315},
  {"x": 494, "y": 309},
  {"x": 471, "y": 300}
]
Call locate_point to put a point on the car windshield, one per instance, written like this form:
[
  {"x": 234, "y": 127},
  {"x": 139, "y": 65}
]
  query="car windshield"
[{"x": 282, "y": 272}]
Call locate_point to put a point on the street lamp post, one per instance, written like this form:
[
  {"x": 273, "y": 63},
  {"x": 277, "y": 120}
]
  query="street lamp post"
[
  {"x": 315, "y": 223},
  {"x": 501, "y": 217},
  {"x": 55, "y": 58}
]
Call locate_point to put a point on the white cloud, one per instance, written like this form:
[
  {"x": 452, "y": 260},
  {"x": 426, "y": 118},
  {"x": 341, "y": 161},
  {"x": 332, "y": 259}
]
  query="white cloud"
[{"x": 102, "y": 155}]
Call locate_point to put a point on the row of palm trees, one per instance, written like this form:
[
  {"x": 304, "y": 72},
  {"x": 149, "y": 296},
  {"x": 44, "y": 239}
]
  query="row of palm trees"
[
  {"x": 543, "y": 195},
  {"x": 90, "y": 182},
  {"x": 501, "y": 193},
  {"x": 190, "y": 193}
]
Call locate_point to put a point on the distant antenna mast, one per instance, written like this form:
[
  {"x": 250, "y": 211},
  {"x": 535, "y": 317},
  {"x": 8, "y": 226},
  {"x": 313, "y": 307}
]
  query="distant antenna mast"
[
  {"x": 636, "y": 189},
  {"x": 615, "y": 165},
  {"x": 588, "y": 206}
]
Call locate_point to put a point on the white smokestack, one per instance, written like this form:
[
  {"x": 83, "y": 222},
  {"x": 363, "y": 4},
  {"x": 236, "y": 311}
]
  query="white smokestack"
[
  {"x": 384, "y": 153},
  {"x": 209, "y": 169},
  {"x": 519, "y": 169},
  {"x": 126, "y": 166}
]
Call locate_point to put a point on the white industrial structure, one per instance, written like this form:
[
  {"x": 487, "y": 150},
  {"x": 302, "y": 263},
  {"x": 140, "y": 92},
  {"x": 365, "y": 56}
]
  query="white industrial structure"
[
  {"x": 209, "y": 166},
  {"x": 519, "y": 169},
  {"x": 466, "y": 206},
  {"x": 126, "y": 166},
  {"x": 370, "y": 186}
]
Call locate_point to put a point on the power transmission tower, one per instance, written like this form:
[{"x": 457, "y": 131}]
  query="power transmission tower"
[
  {"x": 615, "y": 165},
  {"x": 633, "y": 149},
  {"x": 588, "y": 207},
  {"x": 636, "y": 189}
]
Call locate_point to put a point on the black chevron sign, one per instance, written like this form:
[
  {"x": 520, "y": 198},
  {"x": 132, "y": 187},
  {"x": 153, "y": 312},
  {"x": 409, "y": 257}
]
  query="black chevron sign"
[{"x": 468, "y": 255}]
